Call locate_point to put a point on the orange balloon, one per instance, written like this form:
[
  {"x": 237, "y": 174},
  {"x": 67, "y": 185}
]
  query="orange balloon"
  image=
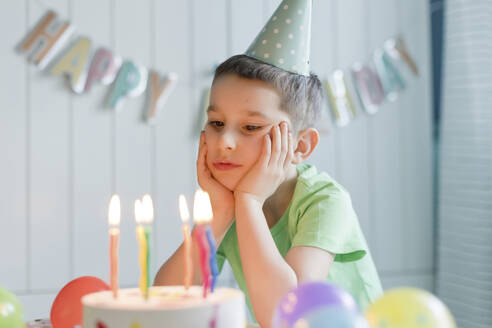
[{"x": 66, "y": 311}]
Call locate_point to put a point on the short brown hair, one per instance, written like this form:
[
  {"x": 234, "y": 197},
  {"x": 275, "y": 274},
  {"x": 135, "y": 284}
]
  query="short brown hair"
[{"x": 301, "y": 96}]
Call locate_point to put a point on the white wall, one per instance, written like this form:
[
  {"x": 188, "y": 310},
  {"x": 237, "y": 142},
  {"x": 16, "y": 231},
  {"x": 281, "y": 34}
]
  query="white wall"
[{"x": 63, "y": 155}]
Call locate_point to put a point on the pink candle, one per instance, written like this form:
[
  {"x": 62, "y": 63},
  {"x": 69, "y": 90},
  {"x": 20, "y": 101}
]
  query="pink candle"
[
  {"x": 202, "y": 213},
  {"x": 114, "y": 215},
  {"x": 114, "y": 238},
  {"x": 187, "y": 256},
  {"x": 204, "y": 257}
]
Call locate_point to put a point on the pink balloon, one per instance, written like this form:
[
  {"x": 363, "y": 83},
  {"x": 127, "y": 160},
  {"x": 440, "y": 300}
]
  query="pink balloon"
[{"x": 66, "y": 311}]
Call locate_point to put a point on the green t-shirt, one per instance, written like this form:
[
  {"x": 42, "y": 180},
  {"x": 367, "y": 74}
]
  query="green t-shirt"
[{"x": 320, "y": 214}]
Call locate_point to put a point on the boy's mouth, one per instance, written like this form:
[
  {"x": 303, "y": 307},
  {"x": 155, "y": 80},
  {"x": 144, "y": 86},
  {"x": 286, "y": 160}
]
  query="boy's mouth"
[{"x": 225, "y": 165}]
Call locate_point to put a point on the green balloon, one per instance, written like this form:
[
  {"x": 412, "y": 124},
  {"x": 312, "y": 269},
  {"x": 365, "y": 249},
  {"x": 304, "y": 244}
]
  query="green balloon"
[{"x": 10, "y": 310}]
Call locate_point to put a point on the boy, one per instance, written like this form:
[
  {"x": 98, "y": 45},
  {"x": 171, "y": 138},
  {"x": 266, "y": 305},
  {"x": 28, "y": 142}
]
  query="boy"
[{"x": 278, "y": 221}]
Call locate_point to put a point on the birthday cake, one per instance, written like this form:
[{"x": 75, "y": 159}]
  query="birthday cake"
[{"x": 166, "y": 306}]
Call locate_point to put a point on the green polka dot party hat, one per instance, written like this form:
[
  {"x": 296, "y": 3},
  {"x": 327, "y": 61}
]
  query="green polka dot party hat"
[{"x": 285, "y": 40}]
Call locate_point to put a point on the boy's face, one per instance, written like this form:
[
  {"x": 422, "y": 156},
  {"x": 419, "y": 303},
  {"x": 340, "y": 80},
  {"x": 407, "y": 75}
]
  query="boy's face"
[{"x": 241, "y": 112}]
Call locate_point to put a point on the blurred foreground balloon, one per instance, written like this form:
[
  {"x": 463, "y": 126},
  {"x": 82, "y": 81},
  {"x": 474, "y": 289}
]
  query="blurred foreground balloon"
[
  {"x": 409, "y": 308},
  {"x": 332, "y": 317},
  {"x": 317, "y": 304},
  {"x": 66, "y": 311},
  {"x": 10, "y": 310}
]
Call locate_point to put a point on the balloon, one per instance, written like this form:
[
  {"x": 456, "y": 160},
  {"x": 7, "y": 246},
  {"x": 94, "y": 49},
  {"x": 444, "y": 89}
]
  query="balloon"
[
  {"x": 332, "y": 317},
  {"x": 10, "y": 310},
  {"x": 305, "y": 298},
  {"x": 409, "y": 308},
  {"x": 66, "y": 311}
]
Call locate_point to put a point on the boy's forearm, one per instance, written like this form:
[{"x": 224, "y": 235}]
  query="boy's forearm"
[
  {"x": 268, "y": 277},
  {"x": 220, "y": 224},
  {"x": 172, "y": 272}
]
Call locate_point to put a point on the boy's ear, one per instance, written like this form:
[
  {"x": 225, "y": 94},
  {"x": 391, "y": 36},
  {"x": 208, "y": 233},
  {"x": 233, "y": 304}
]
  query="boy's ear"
[{"x": 307, "y": 140}]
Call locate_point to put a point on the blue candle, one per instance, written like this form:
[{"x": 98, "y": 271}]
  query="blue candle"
[{"x": 213, "y": 258}]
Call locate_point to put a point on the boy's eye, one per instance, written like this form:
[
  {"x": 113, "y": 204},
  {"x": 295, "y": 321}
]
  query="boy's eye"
[
  {"x": 216, "y": 123},
  {"x": 252, "y": 127}
]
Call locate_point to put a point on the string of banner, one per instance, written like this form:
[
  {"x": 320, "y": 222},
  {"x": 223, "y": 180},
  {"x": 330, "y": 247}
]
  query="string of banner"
[{"x": 374, "y": 81}]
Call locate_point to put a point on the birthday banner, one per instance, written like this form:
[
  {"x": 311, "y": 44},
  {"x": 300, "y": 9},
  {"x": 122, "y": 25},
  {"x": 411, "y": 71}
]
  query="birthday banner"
[
  {"x": 48, "y": 40},
  {"x": 374, "y": 81}
]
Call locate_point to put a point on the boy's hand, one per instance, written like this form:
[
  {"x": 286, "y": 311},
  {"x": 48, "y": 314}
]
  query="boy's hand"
[
  {"x": 222, "y": 199},
  {"x": 269, "y": 171}
]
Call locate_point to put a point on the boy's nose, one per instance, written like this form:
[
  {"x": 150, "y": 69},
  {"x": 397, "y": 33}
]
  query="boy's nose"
[{"x": 227, "y": 141}]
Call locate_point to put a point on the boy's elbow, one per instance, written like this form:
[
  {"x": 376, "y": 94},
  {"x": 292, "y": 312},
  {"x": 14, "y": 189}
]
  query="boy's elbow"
[
  {"x": 265, "y": 323},
  {"x": 158, "y": 279}
]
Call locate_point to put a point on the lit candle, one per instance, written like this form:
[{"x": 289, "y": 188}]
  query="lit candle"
[
  {"x": 213, "y": 257},
  {"x": 142, "y": 242},
  {"x": 200, "y": 214},
  {"x": 188, "y": 263},
  {"x": 114, "y": 215},
  {"x": 148, "y": 218},
  {"x": 206, "y": 219}
]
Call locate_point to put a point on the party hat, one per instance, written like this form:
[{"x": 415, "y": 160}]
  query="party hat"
[{"x": 286, "y": 38}]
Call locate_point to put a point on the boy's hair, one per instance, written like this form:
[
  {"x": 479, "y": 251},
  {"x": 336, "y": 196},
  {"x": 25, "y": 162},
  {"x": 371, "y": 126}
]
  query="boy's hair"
[{"x": 301, "y": 96}]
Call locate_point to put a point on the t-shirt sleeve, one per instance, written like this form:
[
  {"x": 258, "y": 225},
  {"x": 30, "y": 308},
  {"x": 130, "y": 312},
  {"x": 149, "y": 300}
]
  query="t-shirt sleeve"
[
  {"x": 327, "y": 220},
  {"x": 224, "y": 245}
]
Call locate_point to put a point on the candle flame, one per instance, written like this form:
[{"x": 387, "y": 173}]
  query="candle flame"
[
  {"x": 183, "y": 209},
  {"x": 114, "y": 212},
  {"x": 138, "y": 211},
  {"x": 202, "y": 209},
  {"x": 147, "y": 209}
]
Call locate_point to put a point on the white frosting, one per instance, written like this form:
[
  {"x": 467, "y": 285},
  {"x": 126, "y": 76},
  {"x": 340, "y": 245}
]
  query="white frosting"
[{"x": 168, "y": 306}]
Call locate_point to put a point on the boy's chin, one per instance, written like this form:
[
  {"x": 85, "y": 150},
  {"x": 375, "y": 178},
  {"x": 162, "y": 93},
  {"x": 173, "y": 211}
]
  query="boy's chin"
[{"x": 228, "y": 183}]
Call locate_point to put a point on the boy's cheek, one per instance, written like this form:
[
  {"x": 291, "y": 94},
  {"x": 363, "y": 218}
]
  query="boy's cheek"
[
  {"x": 209, "y": 160},
  {"x": 210, "y": 138}
]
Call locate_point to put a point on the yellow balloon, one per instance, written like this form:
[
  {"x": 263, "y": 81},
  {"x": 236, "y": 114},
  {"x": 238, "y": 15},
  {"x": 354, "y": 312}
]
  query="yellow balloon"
[{"x": 409, "y": 308}]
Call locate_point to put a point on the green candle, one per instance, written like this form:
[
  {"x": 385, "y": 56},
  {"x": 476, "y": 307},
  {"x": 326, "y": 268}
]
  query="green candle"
[
  {"x": 148, "y": 239},
  {"x": 148, "y": 218}
]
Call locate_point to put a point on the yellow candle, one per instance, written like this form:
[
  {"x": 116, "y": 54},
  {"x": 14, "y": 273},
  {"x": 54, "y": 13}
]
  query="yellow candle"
[
  {"x": 114, "y": 215},
  {"x": 142, "y": 242},
  {"x": 144, "y": 213},
  {"x": 188, "y": 263}
]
